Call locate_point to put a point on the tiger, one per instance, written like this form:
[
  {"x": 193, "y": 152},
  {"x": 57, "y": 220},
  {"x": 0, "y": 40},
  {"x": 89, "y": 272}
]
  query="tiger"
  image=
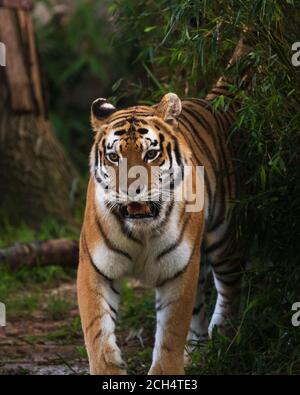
[{"x": 159, "y": 242}]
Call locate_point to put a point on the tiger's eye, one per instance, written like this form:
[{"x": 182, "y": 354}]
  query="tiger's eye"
[
  {"x": 113, "y": 157},
  {"x": 151, "y": 154}
]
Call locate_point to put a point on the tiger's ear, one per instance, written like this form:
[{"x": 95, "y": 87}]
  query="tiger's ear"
[
  {"x": 100, "y": 110},
  {"x": 169, "y": 107}
]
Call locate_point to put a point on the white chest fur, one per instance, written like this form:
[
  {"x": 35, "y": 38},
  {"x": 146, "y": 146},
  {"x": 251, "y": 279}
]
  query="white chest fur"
[{"x": 143, "y": 261}]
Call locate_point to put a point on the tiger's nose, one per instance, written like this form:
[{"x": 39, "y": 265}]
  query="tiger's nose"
[
  {"x": 133, "y": 192},
  {"x": 139, "y": 189}
]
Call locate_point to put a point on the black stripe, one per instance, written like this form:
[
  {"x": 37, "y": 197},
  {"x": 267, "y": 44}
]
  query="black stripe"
[
  {"x": 200, "y": 119},
  {"x": 143, "y": 130},
  {"x": 219, "y": 220},
  {"x": 162, "y": 306},
  {"x": 229, "y": 271},
  {"x": 119, "y": 124},
  {"x": 110, "y": 146},
  {"x": 125, "y": 230},
  {"x": 112, "y": 309},
  {"x": 198, "y": 308},
  {"x": 220, "y": 91},
  {"x": 100, "y": 157},
  {"x": 128, "y": 116},
  {"x": 114, "y": 289},
  {"x": 94, "y": 320},
  {"x": 194, "y": 332},
  {"x": 96, "y": 157},
  {"x": 133, "y": 112},
  {"x": 203, "y": 103},
  {"x": 227, "y": 119},
  {"x": 216, "y": 245},
  {"x": 177, "y": 152},
  {"x": 220, "y": 118},
  {"x": 225, "y": 296},
  {"x": 104, "y": 146},
  {"x": 165, "y": 220},
  {"x": 176, "y": 275},
  {"x": 208, "y": 189},
  {"x": 97, "y": 335},
  {"x": 143, "y": 121},
  {"x": 100, "y": 180},
  {"x": 174, "y": 245},
  {"x": 228, "y": 282},
  {"x": 179, "y": 178},
  {"x": 199, "y": 141},
  {"x": 202, "y": 281},
  {"x": 120, "y": 132},
  {"x": 161, "y": 140},
  {"x": 86, "y": 250},
  {"x": 109, "y": 243},
  {"x": 170, "y": 155}
]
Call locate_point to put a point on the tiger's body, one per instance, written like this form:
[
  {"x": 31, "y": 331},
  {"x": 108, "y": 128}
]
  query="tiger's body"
[{"x": 162, "y": 247}]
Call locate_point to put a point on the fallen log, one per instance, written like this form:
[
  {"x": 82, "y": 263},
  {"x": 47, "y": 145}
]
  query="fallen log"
[{"x": 60, "y": 252}]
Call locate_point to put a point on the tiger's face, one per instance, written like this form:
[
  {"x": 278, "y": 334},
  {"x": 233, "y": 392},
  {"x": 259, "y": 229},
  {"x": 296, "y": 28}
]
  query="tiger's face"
[{"x": 137, "y": 160}]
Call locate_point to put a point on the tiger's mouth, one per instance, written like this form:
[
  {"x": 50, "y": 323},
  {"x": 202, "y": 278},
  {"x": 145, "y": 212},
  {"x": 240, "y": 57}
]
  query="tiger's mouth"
[{"x": 139, "y": 210}]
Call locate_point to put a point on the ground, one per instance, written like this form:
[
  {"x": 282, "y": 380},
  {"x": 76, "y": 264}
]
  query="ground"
[
  {"x": 48, "y": 340},
  {"x": 43, "y": 332}
]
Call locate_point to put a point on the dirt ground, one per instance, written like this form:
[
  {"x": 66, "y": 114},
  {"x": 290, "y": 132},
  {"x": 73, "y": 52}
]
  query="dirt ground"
[{"x": 40, "y": 345}]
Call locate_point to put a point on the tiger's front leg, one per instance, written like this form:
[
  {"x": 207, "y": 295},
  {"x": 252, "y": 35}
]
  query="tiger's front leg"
[
  {"x": 174, "y": 303},
  {"x": 98, "y": 300}
]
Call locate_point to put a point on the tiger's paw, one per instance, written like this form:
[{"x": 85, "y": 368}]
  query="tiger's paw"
[{"x": 108, "y": 362}]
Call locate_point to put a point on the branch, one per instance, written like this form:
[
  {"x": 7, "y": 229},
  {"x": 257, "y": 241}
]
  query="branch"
[{"x": 60, "y": 252}]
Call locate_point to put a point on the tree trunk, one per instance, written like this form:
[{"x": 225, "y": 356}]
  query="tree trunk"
[
  {"x": 37, "y": 180},
  {"x": 60, "y": 252}
]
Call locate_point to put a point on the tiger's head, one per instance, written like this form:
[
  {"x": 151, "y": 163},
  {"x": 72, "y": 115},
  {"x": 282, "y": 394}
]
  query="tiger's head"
[{"x": 137, "y": 159}]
